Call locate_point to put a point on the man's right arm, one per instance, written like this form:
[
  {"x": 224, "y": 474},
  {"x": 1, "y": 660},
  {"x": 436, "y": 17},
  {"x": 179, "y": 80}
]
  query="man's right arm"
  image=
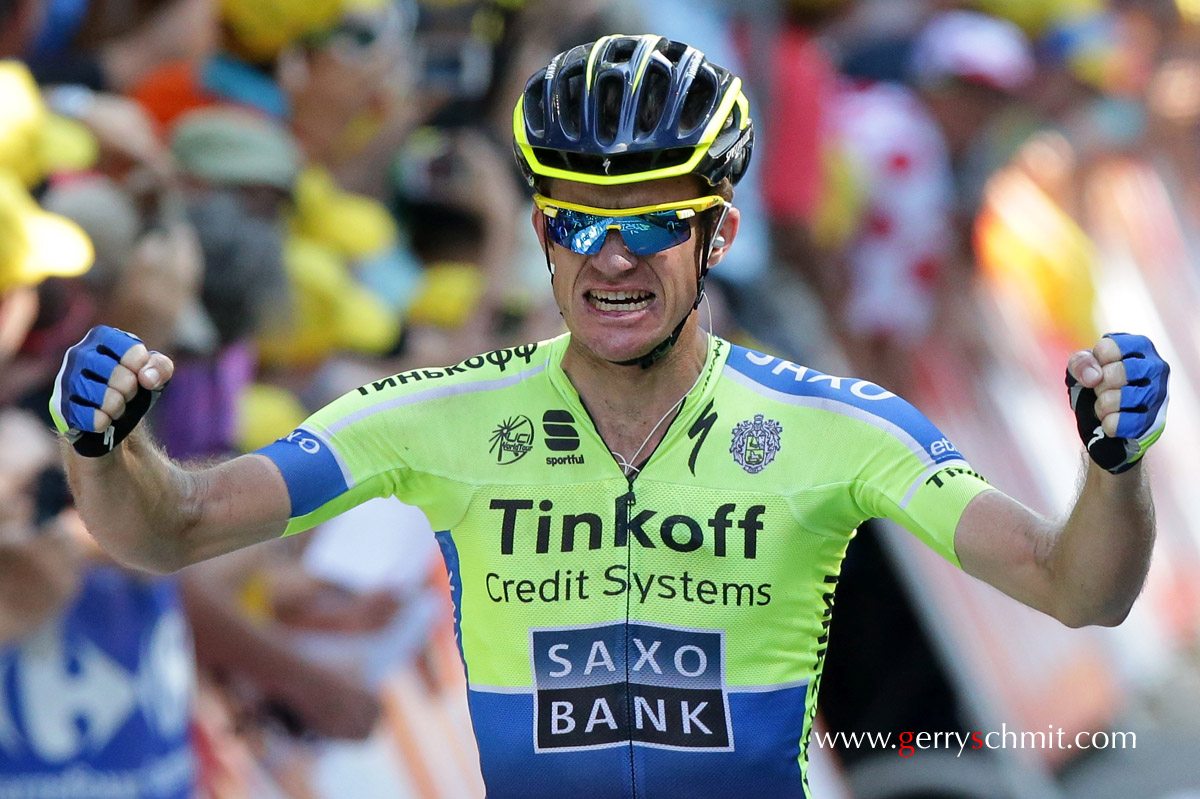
[
  {"x": 151, "y": 514},
  {"x": 144, "y": 510}
]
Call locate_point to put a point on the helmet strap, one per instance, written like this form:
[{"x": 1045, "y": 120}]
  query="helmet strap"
[{"x": 546, "y": 248}]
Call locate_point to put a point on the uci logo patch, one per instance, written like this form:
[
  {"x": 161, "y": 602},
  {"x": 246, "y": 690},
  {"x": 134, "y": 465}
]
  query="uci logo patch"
[
  {"x": 755, "y": 443},
  {"x": 512, "y": 439}
]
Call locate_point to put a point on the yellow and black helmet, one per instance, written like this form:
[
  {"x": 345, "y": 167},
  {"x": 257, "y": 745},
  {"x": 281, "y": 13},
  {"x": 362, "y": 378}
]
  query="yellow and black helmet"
[{"x": 625, "y": 109}]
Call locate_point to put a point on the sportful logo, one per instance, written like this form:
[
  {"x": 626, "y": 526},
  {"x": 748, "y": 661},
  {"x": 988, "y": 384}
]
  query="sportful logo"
[
  {"x": 561, "y": 436},
  {"x": 512, "y": 439},
  {"x": 559, "y": 427},
  {"x": 755, "y": 443},
  {"x": 614, "y": 684}
]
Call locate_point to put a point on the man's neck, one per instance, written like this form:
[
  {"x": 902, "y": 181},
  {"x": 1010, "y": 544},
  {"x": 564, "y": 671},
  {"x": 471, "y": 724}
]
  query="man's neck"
[{"x": 626, "y": 402}]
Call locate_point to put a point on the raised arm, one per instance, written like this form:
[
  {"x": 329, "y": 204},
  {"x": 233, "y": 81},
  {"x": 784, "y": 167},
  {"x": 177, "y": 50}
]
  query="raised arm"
[
  {"x": 1086, "y": 570},
  {"x": 1089, "y": 568},
  {"x": 146, "y": 511}
]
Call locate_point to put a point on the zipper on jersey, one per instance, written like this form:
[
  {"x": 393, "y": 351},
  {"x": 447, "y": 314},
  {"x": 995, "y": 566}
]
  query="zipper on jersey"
[{"x": 625, "y": 504}]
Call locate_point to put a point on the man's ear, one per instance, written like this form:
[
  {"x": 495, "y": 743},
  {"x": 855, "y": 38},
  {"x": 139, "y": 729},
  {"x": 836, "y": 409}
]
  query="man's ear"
[{"x": 728, "y": 232}]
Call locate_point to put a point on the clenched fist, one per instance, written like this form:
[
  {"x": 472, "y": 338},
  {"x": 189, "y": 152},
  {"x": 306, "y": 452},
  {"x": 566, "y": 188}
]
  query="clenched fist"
[
  {"x": 1118, "y": 391},
  {"x": 107, "y": 383}
]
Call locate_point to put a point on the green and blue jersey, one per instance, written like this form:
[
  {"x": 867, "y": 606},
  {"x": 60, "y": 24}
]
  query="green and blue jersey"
[{"x": 661, "y": 636}]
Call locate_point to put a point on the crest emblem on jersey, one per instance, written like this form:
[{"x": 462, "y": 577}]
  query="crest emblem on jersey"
[
  {"x": 512, "y": 439},
  {"x": 755, "y": 443}
]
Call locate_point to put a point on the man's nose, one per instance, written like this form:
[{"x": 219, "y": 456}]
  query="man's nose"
[{"x": 614, "y": 256}]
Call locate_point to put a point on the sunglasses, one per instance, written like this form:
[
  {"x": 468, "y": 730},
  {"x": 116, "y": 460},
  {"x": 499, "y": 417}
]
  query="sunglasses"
[{"x": 645, "y": 230}]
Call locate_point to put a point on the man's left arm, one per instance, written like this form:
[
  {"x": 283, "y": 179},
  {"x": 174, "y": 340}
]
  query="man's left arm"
[{"x": 1089, "y": 568}]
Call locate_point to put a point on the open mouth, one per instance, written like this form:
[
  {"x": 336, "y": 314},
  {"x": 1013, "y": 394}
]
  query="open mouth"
[{"x": 619, "y": 300}]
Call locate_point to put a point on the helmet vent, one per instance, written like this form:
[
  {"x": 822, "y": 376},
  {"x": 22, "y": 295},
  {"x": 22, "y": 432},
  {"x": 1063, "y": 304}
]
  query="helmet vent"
[
  {"x": 621, "y": 51},
  {"x": 535, "y": 106},
  {"x": 610, "y": 89},
  {"x": 572, "y": 100},
  {"x": 698, "y": 103},
  {"x": 653, "y": 101},
  {"x": 672, "y": 50}
]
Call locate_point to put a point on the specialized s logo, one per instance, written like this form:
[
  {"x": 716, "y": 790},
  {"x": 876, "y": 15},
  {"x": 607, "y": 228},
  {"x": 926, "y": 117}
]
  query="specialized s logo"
[
  {"x": 512, "y": 439},
  {"x": 699, "y": 432},
  {"x": 615, "y": 684},
  {"x": 755, "y": 443}
]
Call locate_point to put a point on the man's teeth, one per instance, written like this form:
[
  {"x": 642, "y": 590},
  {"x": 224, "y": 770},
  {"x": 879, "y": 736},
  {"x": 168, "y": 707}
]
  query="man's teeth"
[{"x": 620, "y": 300}]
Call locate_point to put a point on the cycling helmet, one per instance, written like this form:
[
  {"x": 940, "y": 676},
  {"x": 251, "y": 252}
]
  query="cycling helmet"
[{"x": 625, "y": 109}]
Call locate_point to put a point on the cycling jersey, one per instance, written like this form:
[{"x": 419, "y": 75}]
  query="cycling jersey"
[{"x": 660, "y": 636}]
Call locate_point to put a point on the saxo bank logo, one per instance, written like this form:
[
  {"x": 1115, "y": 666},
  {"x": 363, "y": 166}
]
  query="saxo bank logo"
[{"x": 618, "y": 683}]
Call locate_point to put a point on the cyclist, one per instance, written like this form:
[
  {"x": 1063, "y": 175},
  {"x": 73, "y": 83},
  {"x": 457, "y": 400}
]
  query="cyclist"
[{"x": 643, "y": 524}]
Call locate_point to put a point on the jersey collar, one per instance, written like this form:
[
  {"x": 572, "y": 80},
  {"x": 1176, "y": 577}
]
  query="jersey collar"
[{"x": 696, "y": 401}]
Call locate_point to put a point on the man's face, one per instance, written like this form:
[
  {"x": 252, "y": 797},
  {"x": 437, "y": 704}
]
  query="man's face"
[{"x": 619, "y": 305}]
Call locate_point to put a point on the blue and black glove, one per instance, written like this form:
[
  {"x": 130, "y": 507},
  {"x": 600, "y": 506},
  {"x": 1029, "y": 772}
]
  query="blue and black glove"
[
  {"x": 79, "y": 391},
  {"x": 1143, "y": 404}
]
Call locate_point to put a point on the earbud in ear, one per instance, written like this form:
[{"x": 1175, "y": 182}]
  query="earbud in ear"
[{"x": 719, "y": 241}]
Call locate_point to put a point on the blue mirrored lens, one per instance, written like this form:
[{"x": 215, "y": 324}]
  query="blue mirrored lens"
[{"x": 644, "y": 234}]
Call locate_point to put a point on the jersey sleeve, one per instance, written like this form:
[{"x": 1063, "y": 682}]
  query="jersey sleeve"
[
  {"x": 374, "y": 441},
  {"x": 896, "y": 462},
  {"x": 918, "y": 479}
]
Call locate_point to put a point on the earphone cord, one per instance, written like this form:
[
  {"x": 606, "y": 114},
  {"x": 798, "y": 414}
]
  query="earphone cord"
[{"x": 627, "y": 467}]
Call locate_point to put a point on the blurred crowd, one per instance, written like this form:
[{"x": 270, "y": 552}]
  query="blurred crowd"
[{"x": 293, "y": 198}]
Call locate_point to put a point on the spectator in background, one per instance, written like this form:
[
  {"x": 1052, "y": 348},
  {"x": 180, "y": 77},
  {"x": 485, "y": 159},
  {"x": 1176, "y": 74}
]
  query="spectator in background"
[
  {"x": 107, "y": 46},
  {"x": 148, "y": 267},
  {"x": 34, "y": 145},
  {"x": 896, "y": 258},
  {"x": 903, "y": 264},
  {"x": 293, "y": 62},
  {"x": 125, "y": 631},
  {"x": 368, "y": 47},
  {"x": 968, "y": 68},
  {"x": 240, "y": 171},
  {"x": 1048, "y": 191},
  {"x": 257, "y": 162},
  {"x": 811, "y": 208},
  {"x": 95, "y": 663},
  {"x": 97, "y": 660},
  {"x": 40, "y": 558},
  {"x": 454, "y": 191},
  {"x": 796, "y": 139},
  {"x": 34, "y": 245},
  {"x": 34, "y": 142}
]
